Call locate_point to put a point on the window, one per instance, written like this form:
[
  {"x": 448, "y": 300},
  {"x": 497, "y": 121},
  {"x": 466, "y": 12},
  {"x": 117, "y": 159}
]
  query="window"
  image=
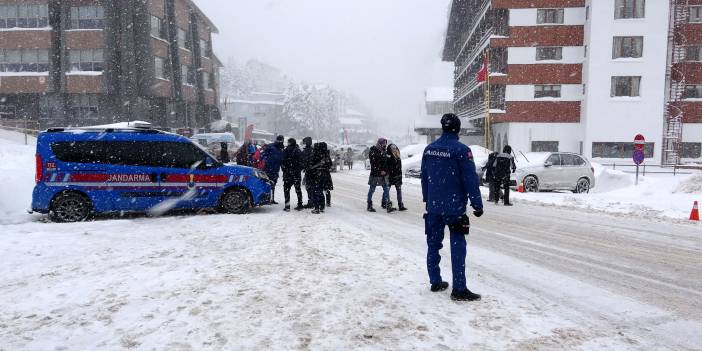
[
  {"x": 184, "y": 39},
  {"x": 627, "y": 47},
  {"x": 88, "y": 60},
  {"x": 693, "y": 53},
  {"x": 187, "y": 75},
  {"x": 160, "y": 68},
  {"x": 571, "y": 160},
  {"x": 87, "y": 17},
  {"x": 549, "y": 16},
  {"x": 158, "y": 29},
  {"x": 24, "y": 60},
  {"x": 625, "y": 9},
  {"x": 24, "y": 16},
  {"x": 544, "y": 146},
  {"x": 625, "y": 86},
  {"x": 204, "y": 48},
  {"x": 587, "y": 13},
  {"x": 693, "y": 91},
  {"x": 207, "y": 80},
  {"x": 619, "y": 150},
  {"x": 691, "y": 150},
  {"x": 542, "y": 91},
  {"x": 152, "y": 154},
  {"x": 554, "y": 159},
  {"x": 549, "y": 53},
  {"x": 84, "y": 108},
  {"x": 695, "y": 14}
]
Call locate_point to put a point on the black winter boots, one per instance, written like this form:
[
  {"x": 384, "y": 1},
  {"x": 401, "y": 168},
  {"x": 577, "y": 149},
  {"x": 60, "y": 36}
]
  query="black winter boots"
[
  {"x": 464, "y": 296},
  {"x": 402, "y": 207},
  {"x": 439, "y": 287},
  {"x": 370, "y": 207}
]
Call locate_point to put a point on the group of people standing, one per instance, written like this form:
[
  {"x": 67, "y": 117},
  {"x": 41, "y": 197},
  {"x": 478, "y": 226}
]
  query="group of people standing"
[
  {"x": 386, "y": 172},
  {"x": 314, "y": 160}
]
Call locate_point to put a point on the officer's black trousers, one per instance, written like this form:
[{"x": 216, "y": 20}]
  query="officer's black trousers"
[{"x": 498, "y": 183}]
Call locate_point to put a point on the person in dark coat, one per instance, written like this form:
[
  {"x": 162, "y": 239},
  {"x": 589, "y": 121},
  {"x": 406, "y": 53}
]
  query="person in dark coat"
[
  {"x": 489, "y": 170},
  {"x": 378, "y": 157},
  {"x": 224, "y": 153},
  {"x": 307, "y": 153},
  {"x": 317, "y": 176},
  {"x": 504, "y": 167},
  {"x": 292, "y": 173},
  {"x": 327, "y": 183},
  {"x": 272, "y": 157},
  {"x": 395, "y": 173},
  {"x": 243, "y": 155}
]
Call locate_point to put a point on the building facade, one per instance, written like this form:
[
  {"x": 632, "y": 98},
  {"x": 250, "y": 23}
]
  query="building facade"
[
  {"x": 263, "y": 110},
  {"x": 86, "y": 62},
  {"x": 581, "y": 76}
]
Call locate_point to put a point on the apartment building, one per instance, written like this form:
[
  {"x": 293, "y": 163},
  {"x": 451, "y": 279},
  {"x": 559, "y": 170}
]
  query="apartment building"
[
  {"x": 581, "y": 76},
  {"x": 86, "y": 62}
]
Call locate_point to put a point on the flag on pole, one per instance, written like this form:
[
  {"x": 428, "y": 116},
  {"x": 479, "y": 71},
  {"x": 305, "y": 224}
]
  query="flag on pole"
[{"x": 483, "y": 73}]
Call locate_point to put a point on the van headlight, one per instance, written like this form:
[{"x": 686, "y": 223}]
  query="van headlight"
[{"x": 260, "y": 174}]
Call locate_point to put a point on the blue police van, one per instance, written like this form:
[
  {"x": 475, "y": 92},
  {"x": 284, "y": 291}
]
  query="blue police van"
[{"x": 83, "y": 172}]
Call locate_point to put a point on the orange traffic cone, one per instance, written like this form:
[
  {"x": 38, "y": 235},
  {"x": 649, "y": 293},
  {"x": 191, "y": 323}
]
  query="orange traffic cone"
[
  {"x": 695, "y": 215},
  {"x": 520, "y": 188}
]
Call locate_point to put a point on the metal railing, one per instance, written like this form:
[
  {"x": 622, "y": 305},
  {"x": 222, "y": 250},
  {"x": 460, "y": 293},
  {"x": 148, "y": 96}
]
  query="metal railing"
[
  {"x": 654, "y": 169},
  {"x": 25, "y": 127}
]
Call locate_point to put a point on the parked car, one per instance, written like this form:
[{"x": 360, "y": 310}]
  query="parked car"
[
  {"x": 82, "y": 172},
  {"x": 555, "y": 171},
  {"x": 213, "y": 143}
]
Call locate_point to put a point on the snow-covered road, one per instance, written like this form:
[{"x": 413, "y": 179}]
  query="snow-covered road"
[{"x": 551, "y": 280}]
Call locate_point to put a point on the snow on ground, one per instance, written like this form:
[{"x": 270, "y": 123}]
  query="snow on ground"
[
  {"x": 344, "y": 280},
  {"x": 17, "y": 170}
]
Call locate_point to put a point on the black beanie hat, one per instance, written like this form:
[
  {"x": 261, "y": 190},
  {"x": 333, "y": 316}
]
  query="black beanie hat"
[
  {"x": 292, "y": 141},
  {"x": 450, "y": 123}
]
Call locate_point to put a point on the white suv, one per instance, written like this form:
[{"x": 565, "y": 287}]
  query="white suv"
[{"x": 555, "y": 171}]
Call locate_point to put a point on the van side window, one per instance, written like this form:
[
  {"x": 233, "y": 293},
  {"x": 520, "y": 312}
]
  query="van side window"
[
  {"x": 178, "y": 155},
  {"x": 130, "y": 153}
]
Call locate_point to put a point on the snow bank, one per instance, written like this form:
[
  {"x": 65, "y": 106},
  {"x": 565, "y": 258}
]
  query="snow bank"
[
  {"x": 608, "y": 180},
  {"x": 17, "y": 183},
  {"x": 660, "y": 196},
  {"x": 690, "y": 185}
]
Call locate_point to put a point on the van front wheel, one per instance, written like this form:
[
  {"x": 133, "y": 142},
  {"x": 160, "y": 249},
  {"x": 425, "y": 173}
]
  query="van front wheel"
[
  {"x": 70, "y": 207},
  {"x": 235, "y": 201}
]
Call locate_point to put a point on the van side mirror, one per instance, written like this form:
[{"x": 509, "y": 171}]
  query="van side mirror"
[{"x": 548, "y": 164}]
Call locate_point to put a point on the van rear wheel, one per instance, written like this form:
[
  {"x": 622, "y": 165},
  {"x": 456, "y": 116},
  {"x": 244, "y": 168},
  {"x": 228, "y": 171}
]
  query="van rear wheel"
[
  {"x": 235, "y": 201},
  {"x": 70, "y": 207}
]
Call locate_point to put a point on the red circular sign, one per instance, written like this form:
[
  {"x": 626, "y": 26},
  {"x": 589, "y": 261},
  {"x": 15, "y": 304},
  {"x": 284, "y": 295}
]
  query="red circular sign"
[{"x": 639, "y": 142}]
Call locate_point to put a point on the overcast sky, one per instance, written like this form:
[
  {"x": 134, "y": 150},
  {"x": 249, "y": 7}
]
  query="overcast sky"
[{"x": 384, "y": 51}]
